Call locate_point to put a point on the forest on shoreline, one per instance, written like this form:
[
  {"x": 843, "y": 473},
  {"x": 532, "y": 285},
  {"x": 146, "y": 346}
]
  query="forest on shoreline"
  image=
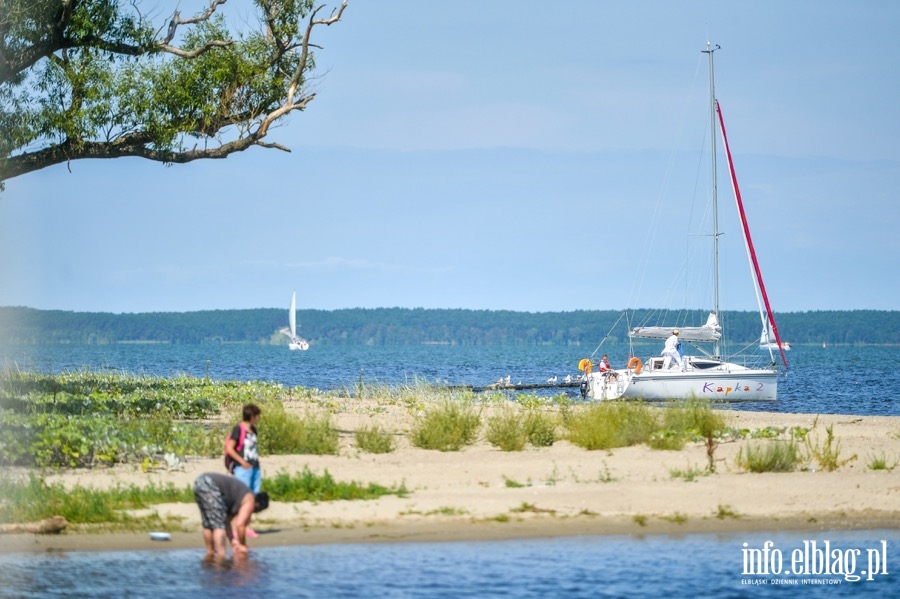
[{"x": 416, "y": 326}]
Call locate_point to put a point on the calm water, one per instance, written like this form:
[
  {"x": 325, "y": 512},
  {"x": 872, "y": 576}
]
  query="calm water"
[
  {"x": 833, "y": 380},
  {"x": 614, "y": 566}
]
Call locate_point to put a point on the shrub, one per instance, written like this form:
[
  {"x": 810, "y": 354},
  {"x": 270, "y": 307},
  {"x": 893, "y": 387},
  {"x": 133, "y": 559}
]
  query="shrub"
[
  {"x": 373, "y": 439},
  {"x": 774, "y": 456},
  {"x": 446, "y": 427},
  {"x": 540, "y": 428},
  {"x": 281, "y": 433},
  {"x": 506, "y": 430},
  {"x": 611, "y": 424}
]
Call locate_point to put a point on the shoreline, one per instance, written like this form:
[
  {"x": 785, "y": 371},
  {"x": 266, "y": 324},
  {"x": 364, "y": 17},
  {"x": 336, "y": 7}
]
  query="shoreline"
[
  {"x": 449, "y": 532},
  {"x": 481, "y": 493}
]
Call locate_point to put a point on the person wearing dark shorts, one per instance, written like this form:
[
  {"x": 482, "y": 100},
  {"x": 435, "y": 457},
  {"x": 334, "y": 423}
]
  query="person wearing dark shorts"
[{"x": 226, "y": 506}]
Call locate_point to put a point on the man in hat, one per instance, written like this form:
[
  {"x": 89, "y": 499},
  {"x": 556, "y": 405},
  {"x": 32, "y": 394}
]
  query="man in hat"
[
  {"x": 670, "y": 351},
  {"x": 226, "y": 506}
]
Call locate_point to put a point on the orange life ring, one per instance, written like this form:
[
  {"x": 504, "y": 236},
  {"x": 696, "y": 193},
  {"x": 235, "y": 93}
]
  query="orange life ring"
[
  {"x": 635, "y": 363},
  {"x": 585, "y": 366}
]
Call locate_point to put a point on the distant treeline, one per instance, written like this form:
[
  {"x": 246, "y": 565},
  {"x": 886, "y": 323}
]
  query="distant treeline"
[{"x": 403, "y": 326}]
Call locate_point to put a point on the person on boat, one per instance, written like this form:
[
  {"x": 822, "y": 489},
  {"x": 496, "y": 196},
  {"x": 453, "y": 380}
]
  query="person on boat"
[
  {"x": 226, "y": 505},
  {"x": 672, "y": 352},
  {"x": 605, "y": 369}
]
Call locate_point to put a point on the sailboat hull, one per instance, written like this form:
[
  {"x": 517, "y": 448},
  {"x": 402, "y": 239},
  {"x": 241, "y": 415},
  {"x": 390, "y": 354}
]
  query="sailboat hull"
[{"x": 701, "y": 379}]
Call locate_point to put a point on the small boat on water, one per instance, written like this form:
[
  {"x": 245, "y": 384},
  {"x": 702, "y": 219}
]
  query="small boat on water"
[
  {"x": 294, "y": 341},
  {"x": 707, "y": 374},
  {"x": 767, "y": 341}
]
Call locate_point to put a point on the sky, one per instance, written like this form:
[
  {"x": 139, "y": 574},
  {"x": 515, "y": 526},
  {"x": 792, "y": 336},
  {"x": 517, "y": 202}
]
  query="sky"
[{"x": 510, "y": 155}]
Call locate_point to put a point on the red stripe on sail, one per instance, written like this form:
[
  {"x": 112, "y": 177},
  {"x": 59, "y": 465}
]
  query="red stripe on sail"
[{"x": 740, "y": 205}]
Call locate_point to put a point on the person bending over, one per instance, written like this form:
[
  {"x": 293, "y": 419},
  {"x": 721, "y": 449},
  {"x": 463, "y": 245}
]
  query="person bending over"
[{"x": 226, "y": 506}]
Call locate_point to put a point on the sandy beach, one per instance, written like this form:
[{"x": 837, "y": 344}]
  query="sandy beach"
[{"x": 484, "y": 493}]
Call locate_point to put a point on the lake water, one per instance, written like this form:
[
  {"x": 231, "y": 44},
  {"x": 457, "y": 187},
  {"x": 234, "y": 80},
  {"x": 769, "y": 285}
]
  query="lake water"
[
  {"x": 852, "y": 380},
  {"x": 833, "y": 380},
  {"x": 610, "y": 566}
]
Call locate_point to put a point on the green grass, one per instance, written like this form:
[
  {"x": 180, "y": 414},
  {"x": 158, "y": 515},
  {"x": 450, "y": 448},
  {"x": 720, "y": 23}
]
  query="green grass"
[
  {"x": 611, "y": 424},
  {"x": 506, "y": 430},
  {"x": 771, "y": 456},
  {"x": 308, "y": 486},
  {"x": 881, "y": 462},
  {"x": 281, "y": 433},
  {"x": 374, "y": 439},
  {"x": 511, "y": 429},
  {"x": 689, "y": 474},
  {"x": 726, "y": 511},
  {"x": 34, "y": 499},
  {"x": 447, "y": 426}
]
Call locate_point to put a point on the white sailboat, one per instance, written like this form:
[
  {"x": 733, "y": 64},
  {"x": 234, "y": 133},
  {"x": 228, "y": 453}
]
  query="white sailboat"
[
  {"x": 294, "y": 342},
  {"x": 767, "y": 340},
  {"x": 707, "y": 375}
]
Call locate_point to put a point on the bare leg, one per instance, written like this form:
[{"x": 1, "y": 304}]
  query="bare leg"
[
  {"x": 219, "y": 541},
  {"x": 208, "y": 540}
]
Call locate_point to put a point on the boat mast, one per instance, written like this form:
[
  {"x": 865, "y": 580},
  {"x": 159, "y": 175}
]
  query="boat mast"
[{"x": 712, "y": 138}]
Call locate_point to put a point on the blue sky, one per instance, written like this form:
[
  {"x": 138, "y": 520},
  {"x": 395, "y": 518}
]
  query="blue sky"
[{"x": 509, "y": 155}]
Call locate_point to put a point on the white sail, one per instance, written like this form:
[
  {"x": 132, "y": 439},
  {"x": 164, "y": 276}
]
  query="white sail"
[
  {"x": 705, "y": 375},
  {"x": 294, "y": 341},
  {"x": 292, "y": 315}
]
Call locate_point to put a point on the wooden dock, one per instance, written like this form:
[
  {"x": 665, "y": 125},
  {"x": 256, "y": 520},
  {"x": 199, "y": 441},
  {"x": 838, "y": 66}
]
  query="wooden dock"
[{"x": 520, "y": 386}]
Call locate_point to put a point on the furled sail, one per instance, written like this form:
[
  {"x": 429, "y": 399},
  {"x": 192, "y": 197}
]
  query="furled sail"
[{"x": 711, "y": 331}]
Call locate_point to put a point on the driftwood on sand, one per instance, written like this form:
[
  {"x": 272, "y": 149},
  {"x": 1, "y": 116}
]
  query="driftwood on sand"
[{"x": 47, "y": 526}]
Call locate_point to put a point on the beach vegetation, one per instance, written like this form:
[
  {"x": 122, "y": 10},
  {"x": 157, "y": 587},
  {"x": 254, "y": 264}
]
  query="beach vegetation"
[
  {"x": 526, "y": 507},
  {"x": 32, "y": 499},
  {"x": 667, "y": 439},
  {"x": 726, "y": 511},
  {"x": 283, "y": 433},
  {"x": 374, "y": 439},
  {"x": 605, "y": 475},
  {"x": 696, "y": 419},
  {"x": 447, "y": 426},
  {"x": 770, "y": 456},
  {"x": 506, "y": 430},
  {"x": 514, "y": 484},
  {"x": 640, "y": 519},
  {"x": 676, "y": 518},
  {"x": 611, "y": 424},
  {"x": 309, "y": 486},
  {"x": 511, "y": 430},
  {"x": 554, "y": 476},
  {"x": 689, "y": 474},
  {"x": 881, "y": 462},
  {"x": 827, "y": 453},
  {"x": 540, "y": 428}
]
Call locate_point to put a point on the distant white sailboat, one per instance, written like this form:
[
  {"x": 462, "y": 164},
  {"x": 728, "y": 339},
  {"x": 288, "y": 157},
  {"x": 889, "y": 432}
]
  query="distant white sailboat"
[
  {"x": 767, "y": 341},
  {"x": 294, "y": 342}
]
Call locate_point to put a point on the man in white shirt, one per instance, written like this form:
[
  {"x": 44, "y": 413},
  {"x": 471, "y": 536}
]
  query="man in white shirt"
[{"x": 670, "y": 351}]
